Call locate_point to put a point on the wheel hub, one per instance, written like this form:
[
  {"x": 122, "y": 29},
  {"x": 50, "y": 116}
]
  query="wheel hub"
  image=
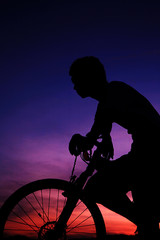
[{"x": 47, "y": 232}]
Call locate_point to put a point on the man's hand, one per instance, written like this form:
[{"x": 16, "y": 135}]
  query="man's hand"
[
  {"x": 106, "y": 148},
  {"x": 79, "y": 144}
]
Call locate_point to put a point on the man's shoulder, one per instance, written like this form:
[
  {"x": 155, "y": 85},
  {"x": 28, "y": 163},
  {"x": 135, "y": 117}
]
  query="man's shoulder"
[
  {"x": 121, "y": 88},
  {"x": 117, "y": 84},
  {"x": 122, "y": 94}
]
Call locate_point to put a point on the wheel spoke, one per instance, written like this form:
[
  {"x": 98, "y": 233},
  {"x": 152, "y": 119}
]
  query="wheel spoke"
[
  {"x": 57, "y": 210},
  {"x": 27, "y": 215},
  {"x": 79, "y": 224},
  {"x": 22, "y": 223},
  {"x": 41, "y": 206},
  {"x": 87, "y": 225},
  {"x": 34, "y": 209},
  {"x": 25, "y": 222},
  {"x": 19, "y": 230},
  {"x": 78, "y": 203},
  {"x": 49, "y": 201},
  {"x": 77, "y": 217}
]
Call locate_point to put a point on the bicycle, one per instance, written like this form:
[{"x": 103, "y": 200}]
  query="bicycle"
[{"x": 54, "y": 209}]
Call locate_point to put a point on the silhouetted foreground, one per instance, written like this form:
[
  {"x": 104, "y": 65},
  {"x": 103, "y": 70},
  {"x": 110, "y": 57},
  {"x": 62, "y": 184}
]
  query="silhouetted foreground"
[
  {"x": 121, "y": 104},
  {"x": 109, "y": 237}
]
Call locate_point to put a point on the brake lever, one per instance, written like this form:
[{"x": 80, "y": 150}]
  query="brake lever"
[{"x": 86, "y": 157}]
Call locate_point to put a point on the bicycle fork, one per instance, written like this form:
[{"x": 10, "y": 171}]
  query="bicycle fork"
[
  {"x": 73, "y": 195},
  {"x": 61, "y": 224}
]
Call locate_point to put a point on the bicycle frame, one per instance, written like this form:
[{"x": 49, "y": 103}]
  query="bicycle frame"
[
  {"x": 30, "y": 198},
  {"x": 72, "y": 199},
  {"x": 73, "y": 194}
]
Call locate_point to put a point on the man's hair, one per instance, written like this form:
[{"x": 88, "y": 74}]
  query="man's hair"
[{"x": 89, "y": 68}]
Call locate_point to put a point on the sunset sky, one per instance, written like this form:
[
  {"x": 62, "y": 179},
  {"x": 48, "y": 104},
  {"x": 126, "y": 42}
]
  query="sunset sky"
[{"x": 39, "y": 110}]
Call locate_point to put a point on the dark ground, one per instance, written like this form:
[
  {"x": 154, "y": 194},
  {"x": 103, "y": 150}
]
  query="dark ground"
[{"x": 109, "y": 237}]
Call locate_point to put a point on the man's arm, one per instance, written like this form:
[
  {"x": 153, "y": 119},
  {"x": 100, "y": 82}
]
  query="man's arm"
[{"x": 101, "y": 128}]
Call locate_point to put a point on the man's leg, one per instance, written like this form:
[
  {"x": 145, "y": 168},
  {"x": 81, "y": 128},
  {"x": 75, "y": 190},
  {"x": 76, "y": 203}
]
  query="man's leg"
[
  {"x": 146, "y": 211},
  {"x": 109, "y": 187}
]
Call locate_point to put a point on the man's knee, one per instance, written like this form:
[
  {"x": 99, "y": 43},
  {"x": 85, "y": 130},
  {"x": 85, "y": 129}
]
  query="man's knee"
[{"x": 100, "y": 189}]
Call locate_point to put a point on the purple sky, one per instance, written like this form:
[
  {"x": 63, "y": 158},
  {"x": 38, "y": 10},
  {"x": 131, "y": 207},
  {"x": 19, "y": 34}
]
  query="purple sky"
[{"x": 39, "y": 109}]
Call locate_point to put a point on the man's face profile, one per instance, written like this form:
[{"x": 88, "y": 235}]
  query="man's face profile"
[{"x": 80, "y": 86}]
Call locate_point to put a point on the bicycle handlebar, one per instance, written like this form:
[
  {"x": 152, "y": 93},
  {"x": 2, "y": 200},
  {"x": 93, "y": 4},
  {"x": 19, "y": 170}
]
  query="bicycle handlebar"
[
  {"x": 94, "y": 161},
  {"x": 87, "y": 156}
]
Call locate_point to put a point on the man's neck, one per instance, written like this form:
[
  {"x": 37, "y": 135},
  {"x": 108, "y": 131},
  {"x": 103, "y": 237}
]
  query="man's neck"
[{"x": 100, "y": 93}]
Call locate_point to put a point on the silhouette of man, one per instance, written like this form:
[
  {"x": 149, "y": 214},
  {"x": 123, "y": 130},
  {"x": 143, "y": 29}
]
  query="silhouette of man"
[{"x": 136, "y": 171}]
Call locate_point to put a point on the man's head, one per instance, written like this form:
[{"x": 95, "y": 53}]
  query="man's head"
[{"x": 88, "y": 75}]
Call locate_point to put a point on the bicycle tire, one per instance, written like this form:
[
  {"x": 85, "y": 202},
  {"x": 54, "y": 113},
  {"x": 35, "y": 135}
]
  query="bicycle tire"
[{"x": 21, "y": 201}]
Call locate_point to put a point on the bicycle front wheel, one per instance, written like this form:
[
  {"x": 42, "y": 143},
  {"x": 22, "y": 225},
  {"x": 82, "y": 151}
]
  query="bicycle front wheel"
[{"x": 33, "y": 210}]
